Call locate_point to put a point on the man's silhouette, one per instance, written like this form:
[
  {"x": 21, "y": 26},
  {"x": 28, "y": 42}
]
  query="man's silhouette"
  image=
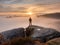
[{"x": 30, "y": 21}]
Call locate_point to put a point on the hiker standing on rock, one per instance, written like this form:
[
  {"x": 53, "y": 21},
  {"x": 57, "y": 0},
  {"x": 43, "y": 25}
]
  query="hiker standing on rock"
[{"x": 30, "y": 21}]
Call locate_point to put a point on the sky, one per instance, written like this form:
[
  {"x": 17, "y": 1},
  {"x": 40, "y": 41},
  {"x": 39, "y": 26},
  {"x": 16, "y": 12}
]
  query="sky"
[
  {"x": 35, "y": 6},
  {"x": 27, "y": 7}
]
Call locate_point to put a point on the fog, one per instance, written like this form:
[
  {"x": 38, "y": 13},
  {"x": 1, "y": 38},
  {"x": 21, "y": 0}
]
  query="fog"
[{"x": 16, "y": 22}]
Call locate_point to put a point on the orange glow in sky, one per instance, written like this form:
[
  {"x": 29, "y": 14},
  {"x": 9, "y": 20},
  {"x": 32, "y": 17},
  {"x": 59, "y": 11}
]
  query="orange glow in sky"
[{"x": 29, "y": 13}]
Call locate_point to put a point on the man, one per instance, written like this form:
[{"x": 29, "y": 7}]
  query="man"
[{"x": 30, "y": 21}]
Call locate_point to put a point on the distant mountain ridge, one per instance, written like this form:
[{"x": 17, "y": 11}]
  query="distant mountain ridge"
[{"x": 51, "y": 15}]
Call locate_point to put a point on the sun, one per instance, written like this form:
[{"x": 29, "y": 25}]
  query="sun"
[{"x": 29, "y": 13}]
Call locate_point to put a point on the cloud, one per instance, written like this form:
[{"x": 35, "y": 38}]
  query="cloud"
[
  {"x": 29, "y": 1},
  {"x": 47, "y": 1},
  {"x": 11, "y": 8},
  {"x": 36, "y": 6},
  {"x": 10, "y": 1},
  {"x": 43, "y": 8}
]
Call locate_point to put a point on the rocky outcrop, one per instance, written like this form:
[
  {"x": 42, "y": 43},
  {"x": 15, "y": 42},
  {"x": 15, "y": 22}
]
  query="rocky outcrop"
[
  {"x": 19, "y": 32},
  {"x": 42, "y": 34},
  {"x": 35, "y": 33}
]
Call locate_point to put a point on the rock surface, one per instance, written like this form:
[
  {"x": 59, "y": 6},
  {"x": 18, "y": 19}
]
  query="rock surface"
[
  {"x": 19, "y": 32},
  {"x": 35, "y": 33},
  {"x": 43, "y": 34}
]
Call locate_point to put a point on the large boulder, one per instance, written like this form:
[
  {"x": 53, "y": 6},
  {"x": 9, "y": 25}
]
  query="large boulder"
[
  {"x": 10, "y": 34},
  {"x": 42, "y": 34}
]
